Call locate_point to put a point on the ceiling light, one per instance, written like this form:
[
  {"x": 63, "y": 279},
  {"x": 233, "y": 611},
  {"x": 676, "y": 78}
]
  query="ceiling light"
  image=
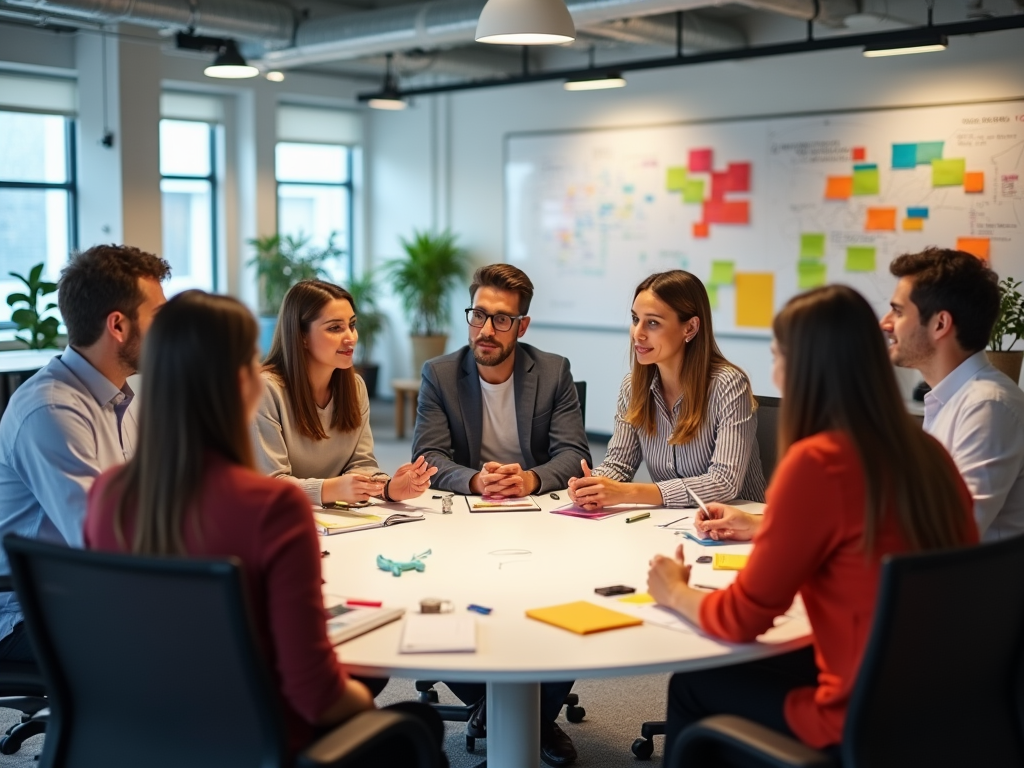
[
  {"x": 525, "y": 22},
  {"x": 596, "y": 82},
  {"x": 229, "y": 64},
  {"x": 921, "y": 43},
  {"x": 389, "y": 96},
  {"x": 275, "y": 77}
]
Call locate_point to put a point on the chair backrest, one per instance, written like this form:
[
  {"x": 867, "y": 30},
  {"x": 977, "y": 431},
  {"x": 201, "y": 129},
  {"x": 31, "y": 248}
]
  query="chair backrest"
[
  {"x": 767, "y": 432},
  {"x": 581, "y": 394},
  {"x": 148, "y": 661},
  {"x": 941, "y": 679}
]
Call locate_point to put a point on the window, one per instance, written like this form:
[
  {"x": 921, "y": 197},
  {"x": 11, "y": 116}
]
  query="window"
[
  {"x": 314, "y": 198},
  {"x": 37, "y": 196},
  {"x": 188, "y": 187}
]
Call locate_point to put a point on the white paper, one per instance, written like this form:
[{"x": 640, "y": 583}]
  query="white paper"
[{"x": 438, "y": 633}]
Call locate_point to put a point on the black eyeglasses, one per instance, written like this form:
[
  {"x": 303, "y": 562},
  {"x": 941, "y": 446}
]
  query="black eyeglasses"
[{"x": 501, "y": 322}]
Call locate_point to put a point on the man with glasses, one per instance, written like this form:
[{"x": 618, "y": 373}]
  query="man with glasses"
[{"x": 502, "y": 418}]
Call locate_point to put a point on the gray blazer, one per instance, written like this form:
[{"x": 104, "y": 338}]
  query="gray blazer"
[{"x": 449, "y": 419}]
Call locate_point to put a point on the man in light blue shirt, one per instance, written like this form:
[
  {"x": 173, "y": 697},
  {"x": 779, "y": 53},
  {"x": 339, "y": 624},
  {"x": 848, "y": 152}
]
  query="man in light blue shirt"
[
  {"x": 71, "y": 420},
  {"x": 943, "y": 311}
]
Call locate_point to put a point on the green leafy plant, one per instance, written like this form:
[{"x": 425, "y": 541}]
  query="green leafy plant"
[
  {"x": 42, "y": 328},
  {"x": 370, "y": 321},
  {"x": 281, "y": 262},
  {"x": 1010, "y": 321},
  {"x": 433, "y": 264}
]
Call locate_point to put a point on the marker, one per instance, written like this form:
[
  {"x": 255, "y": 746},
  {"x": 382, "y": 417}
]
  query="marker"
[
  {"x": 641, "y": 516},
  {"x": 479, "y": 609},
  {"x": 365, "y": 603},
  {"x": 705, "y": 586}
]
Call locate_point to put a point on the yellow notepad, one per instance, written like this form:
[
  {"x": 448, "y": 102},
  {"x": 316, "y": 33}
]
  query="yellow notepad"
[
  {"x": 583, "y": 617},
  {"x": 727, "y": 562},
  {"x": 639, "y": 598}
]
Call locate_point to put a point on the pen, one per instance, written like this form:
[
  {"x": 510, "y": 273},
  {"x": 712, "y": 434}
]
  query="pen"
[
  {"x": 364, "y": 603},
  {"x": 705, "y": 586},
  {"x": 704, "y": 509},
  {"x": 641, "y": 516},
  {"x": 478, "y": 609}
]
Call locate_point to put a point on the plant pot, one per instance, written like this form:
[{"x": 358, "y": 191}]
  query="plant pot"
[
  {"x": 369, "y": 372},
  {"x": 268, "y": 324},
  {"x": 1007, "y": 362},
  {"x": 425, "y": 348}
]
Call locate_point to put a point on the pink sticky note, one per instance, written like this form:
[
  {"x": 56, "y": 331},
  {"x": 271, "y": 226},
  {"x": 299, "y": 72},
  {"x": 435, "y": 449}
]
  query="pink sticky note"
[
  {"x": 739, "y": 177},
  {"x": 719, "y": 185},
  {"x": 700, "y": 161}
]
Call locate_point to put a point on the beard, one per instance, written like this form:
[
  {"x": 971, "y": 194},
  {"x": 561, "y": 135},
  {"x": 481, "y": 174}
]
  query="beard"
[
  {"x": 911, "y": 350},
  {"x": 131, "y": 350},
  {"x": 497, "y": 357}
]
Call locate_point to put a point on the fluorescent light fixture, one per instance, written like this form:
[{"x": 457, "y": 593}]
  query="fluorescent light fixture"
[
  {"x": 389, "y": 96},
  {"x": 525, "y": 22},
  {"x": 902, "y": 46},
  {"x": 229, "y": 64},
  {"x": 275, "y": 77},
  {"x": 596, "y": 83}
]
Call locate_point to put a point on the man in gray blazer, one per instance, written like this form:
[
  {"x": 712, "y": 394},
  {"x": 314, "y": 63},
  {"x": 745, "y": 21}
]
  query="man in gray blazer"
[{"x": 502, "y": 418}]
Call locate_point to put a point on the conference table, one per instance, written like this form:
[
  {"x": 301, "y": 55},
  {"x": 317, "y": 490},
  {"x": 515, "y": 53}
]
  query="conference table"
[{"x": 515, "y": 561}]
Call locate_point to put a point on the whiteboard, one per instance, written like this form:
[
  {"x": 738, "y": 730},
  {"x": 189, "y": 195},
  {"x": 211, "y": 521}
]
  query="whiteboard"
[{"x": 589, "y": 214}]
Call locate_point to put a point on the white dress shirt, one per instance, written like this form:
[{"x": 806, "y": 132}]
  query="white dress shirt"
[{"x": 977, "y": 413}]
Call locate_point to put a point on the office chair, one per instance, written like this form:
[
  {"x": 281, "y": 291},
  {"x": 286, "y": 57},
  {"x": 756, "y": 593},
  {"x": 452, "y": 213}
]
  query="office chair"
[
  {"x": 940, "y": 683},
  {"x": 22, "y": 689},
  {"x": 581, "y": 395},
  {"x": 154, "y": 662},
  {"x": 767, "y": 448}
]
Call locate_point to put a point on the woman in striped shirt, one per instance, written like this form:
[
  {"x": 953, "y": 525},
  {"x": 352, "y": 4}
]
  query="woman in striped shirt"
[{"x": 683, "y": 409}]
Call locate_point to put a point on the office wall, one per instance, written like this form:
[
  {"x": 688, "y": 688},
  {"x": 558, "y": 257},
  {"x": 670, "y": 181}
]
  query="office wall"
[{"x": 476, "y": 122}]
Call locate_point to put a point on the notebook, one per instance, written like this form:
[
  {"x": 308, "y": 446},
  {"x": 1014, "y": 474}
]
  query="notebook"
[
  {"x": 329, "y": 522},
  {"x": 583, "y": 617},
  {"x": 499, "y": 504},
  {"x": 438, "y": 633},
  {"x": 571, "y": 510},
  {"x": 348, "y": 621}
]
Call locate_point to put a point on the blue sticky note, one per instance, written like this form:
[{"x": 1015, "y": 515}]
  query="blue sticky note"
[
  {"x": 928, "y": 151},
  {"x": 904, "y": 155},
  {"x": 865, "y": 166},
  {"x": 705, "y": 542},
  {"x": 917, "y": 213}
]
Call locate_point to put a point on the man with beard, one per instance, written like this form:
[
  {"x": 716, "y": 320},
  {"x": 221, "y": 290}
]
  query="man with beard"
[
  {"x": 943, "y": 311},
  {"x": 502, "y": 418},
  {"x": 70, "y": 421}
]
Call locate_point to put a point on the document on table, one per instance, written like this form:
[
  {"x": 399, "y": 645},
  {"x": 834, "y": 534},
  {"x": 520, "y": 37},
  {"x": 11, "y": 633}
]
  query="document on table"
[
  {"x": 438, "y": 633},
  {"x": 502, "y": 504}
]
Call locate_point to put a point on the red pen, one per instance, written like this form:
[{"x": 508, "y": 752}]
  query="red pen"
[{"x": 365, "y": 603}]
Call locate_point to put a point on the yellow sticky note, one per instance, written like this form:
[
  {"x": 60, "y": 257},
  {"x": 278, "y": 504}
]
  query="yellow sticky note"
[
  {"x": 755, "y": 299},
  {"x": 675, "y": 179},
  {"x": 583, "y": 617},
  {"x": 693, "y": 191},
  {"x": 639, "y": 597},
  {"x": 913, "y": 225},
  {"x": 948, "y": 173},
  {"x": 810, "y": 273},
  {"x": 722, "y": 272},
  {"x": 726, "y": 562},
  {"x": 866, "y": 180}
]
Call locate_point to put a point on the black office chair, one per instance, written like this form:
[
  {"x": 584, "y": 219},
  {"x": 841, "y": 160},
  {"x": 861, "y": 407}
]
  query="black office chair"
[
  {"x": 21, "y": 689},
  {"x": 581, "y": 395},
  {"x": 941, "y": 683},
  {"x": 154, "y": 662}
]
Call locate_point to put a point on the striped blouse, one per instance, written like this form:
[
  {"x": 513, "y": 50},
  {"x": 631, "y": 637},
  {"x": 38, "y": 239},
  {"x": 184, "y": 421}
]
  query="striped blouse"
[{"x": 720, "y": 463}]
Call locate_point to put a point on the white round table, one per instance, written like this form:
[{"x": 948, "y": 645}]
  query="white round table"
[{"x": 515, "y": 561}]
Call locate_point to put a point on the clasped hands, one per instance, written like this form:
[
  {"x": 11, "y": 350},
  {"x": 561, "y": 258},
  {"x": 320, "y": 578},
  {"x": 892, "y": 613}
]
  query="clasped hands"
[
  {"x": 592, "y": 492},
  {"x": 504, "y": 480},
  {"x": 410, "y": 480}
]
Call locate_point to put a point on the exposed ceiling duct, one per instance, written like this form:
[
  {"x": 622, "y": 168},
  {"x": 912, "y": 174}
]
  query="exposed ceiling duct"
[
  {"x": 699, "y": 33},
  {"x": 831, "y": 13}
]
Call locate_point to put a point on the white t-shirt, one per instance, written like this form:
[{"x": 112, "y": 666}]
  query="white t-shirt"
[{"x": 499, "y": 440}]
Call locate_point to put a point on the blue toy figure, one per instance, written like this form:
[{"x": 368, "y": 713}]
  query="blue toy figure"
[{"x": 415, "y": 563}]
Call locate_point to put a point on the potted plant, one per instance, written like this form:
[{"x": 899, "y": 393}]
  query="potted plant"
[
  {"x": 42, "y": 328},
  {"x": 424, "y": 278},
  {"x": 281, "y": 262},
  {"x": 370, "y": 322},
  {"x": 1009, "y": 323}
]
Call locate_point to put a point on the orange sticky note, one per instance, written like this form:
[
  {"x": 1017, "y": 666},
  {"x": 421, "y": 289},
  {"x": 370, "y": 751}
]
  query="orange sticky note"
[
  {"x": 755, "y": 299},
  {"x": 974, "y": 181},
  {"x": 859, "y": 153},
  {"x": 839, "y": 187},
  {"x": 881, "y": 219},
  {"x": 976, "y": 246},
  {"x": 700, "y": 229},
  {"x": 913, "y": 225}
]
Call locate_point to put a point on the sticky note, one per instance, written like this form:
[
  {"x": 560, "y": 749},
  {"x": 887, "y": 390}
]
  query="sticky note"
[
  {"x": 839, "y": 187},
  {"x": 700, "y": 229},
  {"x": 865, "y": 180},
  {"x": 917, "y": 213},
  {"x": 810, "y": 273},
  {"x": 976, "y": 246},
  {"x": 693, "y": 191},
  {"x": 727, "y": 211},
  {"x": 639, "y": 598},
  {"x": 700, "y": 161},
  {"x": 675, "y": 179},
  {"x": 719, "y": 185},
  {"x": 739, "y": 177},
  {"x": 928, "y": 151},
  {"x": 812, "y": 245},
  {"x": 729, "y": 562},
  {"x": 755, "y": 299},
  {"x": 974, "y": 181},
  {"x": 904, "y": 155},
  {"x": 858, "y": 153},
  {"x": 712, "y": 295},
  {"x": 913, "y": 225},
  {"x": 948, "y": 173},
  {"x": 881, "y": 220},
  {"x": 860, "y": 258},
  {"x": 722, "y": 272}
]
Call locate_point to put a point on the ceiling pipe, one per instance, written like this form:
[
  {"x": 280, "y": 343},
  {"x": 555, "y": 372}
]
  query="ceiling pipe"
[
  {"x": 830, "y": 14},
  {"x": 700, "y": 34}
]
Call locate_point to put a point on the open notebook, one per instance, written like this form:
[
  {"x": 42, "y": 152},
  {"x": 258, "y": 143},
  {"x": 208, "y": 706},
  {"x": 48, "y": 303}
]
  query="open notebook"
[
  {"x": 329, "y": 522},
  {"x": 347, "y": 621}
]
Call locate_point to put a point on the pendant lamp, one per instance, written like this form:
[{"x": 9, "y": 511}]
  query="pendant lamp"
[{"x": 525, "y": 22}]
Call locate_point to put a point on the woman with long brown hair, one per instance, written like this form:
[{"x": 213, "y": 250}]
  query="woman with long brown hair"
[
  {"x": 191, "y": 490},
  {"x": 313, "y": 426},
  {"x": 683, "y": 409},
  {"x": 858, "y": 480}
]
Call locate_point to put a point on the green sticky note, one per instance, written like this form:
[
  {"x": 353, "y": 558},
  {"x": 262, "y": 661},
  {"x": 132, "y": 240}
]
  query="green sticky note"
[
  {"x": 812, "y": 245},
  {"x": 723, "y": 272},
  {"x": 693, "y": 191},
  {"x": 675, "y": 179},
  {"x": 948, "y": 173},
  {"x": 928, "y": 151},
  {"x": 810, "y": 273},
  {"x": 860, "y": 258},
  {"x": 865, "y": 181},
  {"x": 713, "y": 295}
]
